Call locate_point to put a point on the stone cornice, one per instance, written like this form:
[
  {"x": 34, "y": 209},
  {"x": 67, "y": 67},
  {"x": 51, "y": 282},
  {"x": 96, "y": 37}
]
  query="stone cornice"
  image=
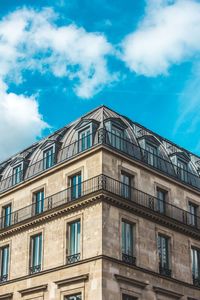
[
  {"x": 131, "y": 281},
  {"x": 8, "y": 296},
  {"x": 72, "y": 280},
  {"x": 39, "y": 288},
  {"x": 168, "y": 293}
]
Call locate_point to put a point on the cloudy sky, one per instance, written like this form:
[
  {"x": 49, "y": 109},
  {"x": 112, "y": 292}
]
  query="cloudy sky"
[{"x": 62, "y": 58}]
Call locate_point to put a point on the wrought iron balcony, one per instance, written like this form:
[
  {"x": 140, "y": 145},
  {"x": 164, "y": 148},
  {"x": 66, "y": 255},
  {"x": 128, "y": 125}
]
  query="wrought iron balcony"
[
  {"x": 108, "y": 184},
  {"x": 71, "y": 259},
  {"x": 196, "y": 281},
  {"x": 35, "y": 269},
  {"x": 164, "y": 270},
  {"x": 122, "y": 145},
  {"x": 4, "y": 278},
  {"x": 129, "y": 259}
]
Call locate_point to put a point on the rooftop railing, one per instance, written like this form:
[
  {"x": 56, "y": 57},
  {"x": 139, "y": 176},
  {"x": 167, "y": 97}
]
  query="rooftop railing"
[
  {"x": 108, "y": 184},
  {"x": 113, "y": 141}
]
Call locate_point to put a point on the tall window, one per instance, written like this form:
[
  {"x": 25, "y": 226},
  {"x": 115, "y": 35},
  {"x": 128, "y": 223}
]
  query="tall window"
[
  {"x": 4, "y": 263},
  {"x": 125, "y": 185},
  {"x": 161, "y": 200},
  {"x": 74, "y": 231},
  {"x": 195, "y": 266},
  {"x": 38, "y": 199},
  {"x": 74, "y": 297},
  {"x": 117, "y": 136},
  {"x": 163, "y": 251},
  {"x": 17, "y": 175},
  {"x": 6, "y": 216},
  {"x": 182, "y": 168},
  {"x": 128, "y": 297},
  {"x": 48, "y": 158},
  {"x": 193, "y": 214},
  {"x": 127, "y": 243},
  {"x": 152, "y": 153},
  {"x": 85, "y": 139},
  {"x": 36, "y": 253},
  {"x": 76, "y": 186}
]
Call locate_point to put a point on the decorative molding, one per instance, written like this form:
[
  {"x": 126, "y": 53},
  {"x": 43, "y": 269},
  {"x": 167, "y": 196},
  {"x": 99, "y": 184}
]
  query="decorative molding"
[
  {"x": 39, "y": 288},
  {"x": 131, "y": 281},
  {"x": 6, "y": 296},
  {"x": 165, "y": 292},
  {"x": 71, "y": 280}
]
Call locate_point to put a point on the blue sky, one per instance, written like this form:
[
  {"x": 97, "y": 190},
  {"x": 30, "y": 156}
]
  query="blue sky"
[{"x": 60, "y": 59}]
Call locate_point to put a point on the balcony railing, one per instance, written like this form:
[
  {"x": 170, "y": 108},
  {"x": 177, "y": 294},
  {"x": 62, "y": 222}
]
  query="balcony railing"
[
  {"x": 129, "y": 259},
  {"x": 35, "y": 269},
  {"x": 104, "y": 183},
  {"x": 122, "y": 145},
  {"x": 3, "y": 278},
  {"x": 196, "y": 281},
  {"x": 71, "y": 259},
  {"x": 165, "y": 270}
]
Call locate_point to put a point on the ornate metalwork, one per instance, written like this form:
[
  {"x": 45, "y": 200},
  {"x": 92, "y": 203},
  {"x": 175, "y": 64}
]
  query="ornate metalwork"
[
  {"x": 129, "y": 259},
  {"x": 71, "y": 259}
]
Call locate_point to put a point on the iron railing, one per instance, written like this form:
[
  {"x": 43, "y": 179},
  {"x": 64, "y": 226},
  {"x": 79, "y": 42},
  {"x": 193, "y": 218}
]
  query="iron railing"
[
  {"x": 120, "y": 144},
  {"x": 104, "y": 183},
  {"x": 129, "y": 259},
  {"x": 165, "y": 270},
  {"x": 3, "y": 278},
  {"x": 35, "y": 269},
  {"x": 196, "y": 280},
  {"x": 71, "y": 259}
]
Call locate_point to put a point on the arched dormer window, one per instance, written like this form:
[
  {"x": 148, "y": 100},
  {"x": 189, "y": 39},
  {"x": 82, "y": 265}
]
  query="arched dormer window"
[
  {"x": 86, "y": 129},
  {"x": 150, "y": 146},
  {"x": 181, "y": 162},
  {"x": 49, "y": 153},
  {"x": 116, "y": 133},
  {"x": 19, "y": 165}
]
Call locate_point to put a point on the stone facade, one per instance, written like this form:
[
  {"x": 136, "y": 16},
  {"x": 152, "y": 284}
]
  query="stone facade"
[{"x": 100, "y": 272}]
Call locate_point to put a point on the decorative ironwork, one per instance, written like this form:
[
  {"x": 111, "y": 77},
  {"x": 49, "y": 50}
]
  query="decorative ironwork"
[
  {"x": 164, "y": 270},
  {"x": 71, "y": 259},
  {"x": 105, "y": 183},
  {"x": 129, "y": 259},
  {"x": 4, "y": 278},
  {"x": 196, "y": 281},
  {"x": 35, "y": 269}
]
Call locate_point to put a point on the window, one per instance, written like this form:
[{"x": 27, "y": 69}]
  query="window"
[
  {"x": 161, "y": 200},
  {"x": 6, "y": 216},
  {"x": 125, "y": 185},
  {"x": 127, "y": 243},
  {"x": 4, "y": 263},
  {"x": 193, "y": 214},
  {"x": 151, "y": 153},
  {"x": 195, "y": 266},
  {"x": 85, "y": 139},
  {"x": 48, "y": 158},
  {"x": 17, "y": 175},
  {"x": 74, "y": 297},
  {"x": 38, "y": 199},
  {"x": 117, "y": 135},
  {"x": 182, "y": 169},
  {"x": 76, "y": 186},
  {"x": 128, "y": 297},
  {"x": 74, "y": 231},
  {"x": 36, "y": 253},
  {"x": 163, "y": 251}
]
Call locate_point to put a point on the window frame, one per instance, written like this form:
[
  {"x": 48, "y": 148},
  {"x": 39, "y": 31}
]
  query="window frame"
[
  {"x": 131, "y": 256},
  {"x": 46, "y": 164},
  {"x": 17, "y": 177},
  {"x": 76, "y": 189},
  {"x": 3, "y": 215},
  {"x": 6, "y": 246},
  {"x": 31, "y": 253},
  {"x": 74, "y": 257},
  {"x": 165, "y": 267},
  {"x": 85, "y": 139},
  {"x": 35, "y": 202}
]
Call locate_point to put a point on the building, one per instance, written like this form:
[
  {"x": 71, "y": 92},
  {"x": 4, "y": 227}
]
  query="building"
[{"x": 101, "y": 209}]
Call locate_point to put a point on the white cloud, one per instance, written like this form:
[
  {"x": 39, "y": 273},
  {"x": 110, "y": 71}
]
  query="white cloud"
[
  {"x": 168, "y": 34},
  {"x": 66, "y": 51},
  {"x": 31, "y": 40},
  {"x": 20, "y": 121}
]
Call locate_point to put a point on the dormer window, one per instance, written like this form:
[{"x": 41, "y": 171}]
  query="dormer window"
[
  {"x": 182, "y": 168},
  {"x": 48, "y": 158},
  {"x": 84, "y": 139},
  {"x": 117, "y": 137},
  {"x": 17, "y": 174},
  {"x": 151, "y": 152}
]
